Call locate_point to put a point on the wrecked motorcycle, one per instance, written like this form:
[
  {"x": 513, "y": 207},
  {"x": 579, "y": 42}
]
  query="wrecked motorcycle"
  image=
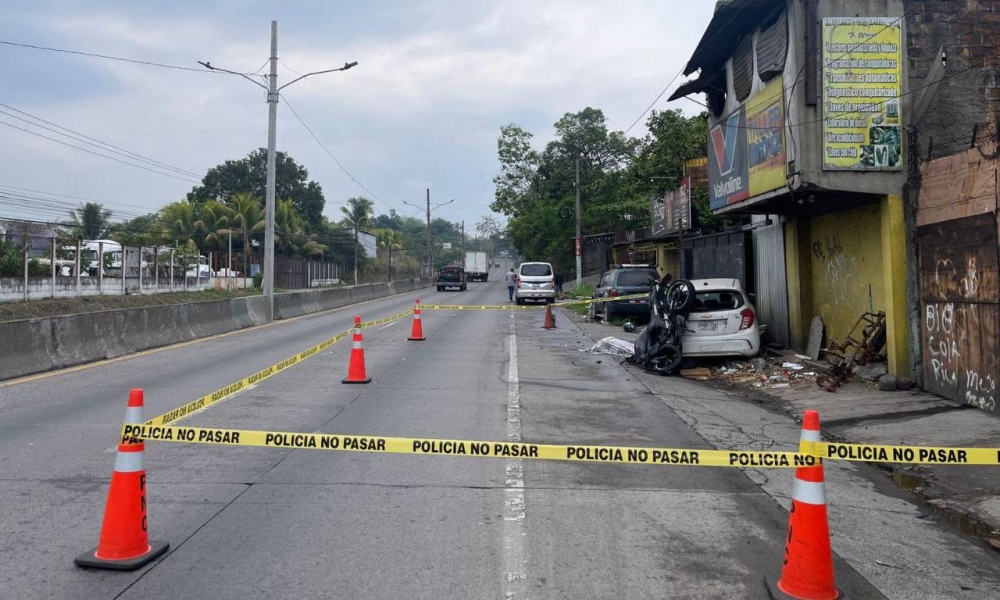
[{"x": 658, "y": 346}]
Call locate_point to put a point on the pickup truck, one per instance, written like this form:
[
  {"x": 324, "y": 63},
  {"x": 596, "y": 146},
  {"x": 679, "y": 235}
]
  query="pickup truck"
[{"x": 452, "y": 277}]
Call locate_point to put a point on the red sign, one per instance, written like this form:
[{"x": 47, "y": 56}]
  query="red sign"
[{"x": 578, "y": 247}]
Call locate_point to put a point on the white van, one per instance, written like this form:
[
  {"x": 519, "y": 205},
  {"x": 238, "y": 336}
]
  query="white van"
[{"x": 535, "y": 281}]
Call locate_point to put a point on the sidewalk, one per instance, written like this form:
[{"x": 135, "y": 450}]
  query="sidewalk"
[{"x": 965, "y": 496}]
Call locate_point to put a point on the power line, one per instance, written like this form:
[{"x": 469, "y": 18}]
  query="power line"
[
  {"x": 84, "y": 139},
  {"x": 103, "y": 56},
  {"x": 674, "y": 78},
  {"x": 330, "y": 154},
  {"x": 185, "y": 179}
]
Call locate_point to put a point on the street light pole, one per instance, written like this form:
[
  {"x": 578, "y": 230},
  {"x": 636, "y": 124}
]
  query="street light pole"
[
  {"x": 579, "y": 239},
  {"x": 273, "y": 95},
  {"x": 430, "y": 263},
  {"x": 272, "y": 134}
]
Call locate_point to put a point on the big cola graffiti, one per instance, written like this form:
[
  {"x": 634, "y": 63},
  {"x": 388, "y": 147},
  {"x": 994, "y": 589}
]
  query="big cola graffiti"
[{"x": 958, "y": 288}]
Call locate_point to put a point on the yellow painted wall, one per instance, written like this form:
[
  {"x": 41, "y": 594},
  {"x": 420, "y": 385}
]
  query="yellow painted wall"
[
  {"x": 894, "y": 268},
  {"x": 667, "y": 261},
  {"x": 846, "y": 263}
]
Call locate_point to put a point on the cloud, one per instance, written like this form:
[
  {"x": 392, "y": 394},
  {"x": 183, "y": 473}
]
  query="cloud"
[{"x": 436, "y": 82}]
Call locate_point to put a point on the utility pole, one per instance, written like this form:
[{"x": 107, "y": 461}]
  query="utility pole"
[
  {"x": 579, "y": 238},
  {"x": 463, "y": 245},
  {"x": 430, "y": 263},
  {"x": 272, "y": 129},
  {"x": 272, "y": 134}
]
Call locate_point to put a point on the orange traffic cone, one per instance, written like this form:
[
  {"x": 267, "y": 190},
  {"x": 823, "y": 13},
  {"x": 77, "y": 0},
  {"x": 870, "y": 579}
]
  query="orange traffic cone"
[
  {"x": 550, "y": 321},
  {"x": 356, "y": 369},
  {"x": 417, "y": 333},
  {"x": 807, "y": 573},
  {"x": 124, "y": 543}
]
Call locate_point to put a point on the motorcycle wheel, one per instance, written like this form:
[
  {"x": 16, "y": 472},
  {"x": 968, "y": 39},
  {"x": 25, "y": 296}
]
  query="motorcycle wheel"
[
  {"x": 668, "y": 360},
  {"x": 680, "y": 296}
]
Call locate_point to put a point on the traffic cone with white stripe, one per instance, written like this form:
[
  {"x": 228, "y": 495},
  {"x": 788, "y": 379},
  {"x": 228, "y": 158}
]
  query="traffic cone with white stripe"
[
  {"x": 124, "y": 543},
  {"x": 356, "y": 368},
  {"x": 417, "y": 333},
  {"x": 807, "y": 573}
]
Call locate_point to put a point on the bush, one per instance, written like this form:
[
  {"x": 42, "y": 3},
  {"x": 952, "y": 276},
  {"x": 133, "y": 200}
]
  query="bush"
[
  {"x": 11, "y": 260},
  {"x": 258, "y": 280},
  {"x": 584, "y": 291}
]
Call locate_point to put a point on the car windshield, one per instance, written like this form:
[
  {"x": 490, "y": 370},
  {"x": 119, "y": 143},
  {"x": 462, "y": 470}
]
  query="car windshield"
[
  {"x": 717, "y": 300},
  {"x": 636, "y": 278},
  {"x": 535, "y": 270}
]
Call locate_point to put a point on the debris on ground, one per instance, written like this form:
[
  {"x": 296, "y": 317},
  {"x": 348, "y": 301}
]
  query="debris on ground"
[
  {"x": 612, "y": 345},
  {"x": 699, "y": 374},
  {"x": 864, "y": 343}
]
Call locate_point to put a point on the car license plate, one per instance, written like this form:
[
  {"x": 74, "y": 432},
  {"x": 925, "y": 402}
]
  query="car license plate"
[{"x": 708, "y": 325}]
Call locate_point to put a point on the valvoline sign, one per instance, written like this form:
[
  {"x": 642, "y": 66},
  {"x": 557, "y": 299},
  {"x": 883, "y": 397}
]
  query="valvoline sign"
[{"x": 728, "y": 175}]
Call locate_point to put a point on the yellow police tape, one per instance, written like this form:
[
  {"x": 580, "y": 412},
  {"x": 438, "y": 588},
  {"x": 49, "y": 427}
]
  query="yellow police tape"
[
  {"x": 811, "y": 453},
  {"x": 530, "y": 307},
  {"x": 221, "y": 394},
  {"x": 916, "y": 455},
  {"x": 427, "y": 446}
]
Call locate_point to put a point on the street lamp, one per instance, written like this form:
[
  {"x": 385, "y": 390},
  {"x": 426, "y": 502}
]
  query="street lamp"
[
  {"x": 272, "y": 127},
  {"x": 430, "y": 264}
]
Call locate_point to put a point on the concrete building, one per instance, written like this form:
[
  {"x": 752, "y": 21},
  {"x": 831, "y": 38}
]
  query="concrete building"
[{"x": 807, "y": 132}]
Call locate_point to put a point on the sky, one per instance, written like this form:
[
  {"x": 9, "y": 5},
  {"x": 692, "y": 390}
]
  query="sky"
[{"x": 436, "y": 81}]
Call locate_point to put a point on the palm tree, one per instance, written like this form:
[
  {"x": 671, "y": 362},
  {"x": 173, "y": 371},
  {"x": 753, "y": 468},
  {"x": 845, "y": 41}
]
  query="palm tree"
[
  {"x": 213, "y": 223},
  {"x": 247, "y": 216},
  {"x": 90, "y": 221},
  {"x": 358, "y": 213},
  {"x": 178, "y": 221},
  {"x": 388, "y": 239}
]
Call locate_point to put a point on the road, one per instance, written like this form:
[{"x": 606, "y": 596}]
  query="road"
[{"x": 263, "y": 522}]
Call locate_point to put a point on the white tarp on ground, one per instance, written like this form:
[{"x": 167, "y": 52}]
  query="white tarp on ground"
[{"x": 614, "y": 346}]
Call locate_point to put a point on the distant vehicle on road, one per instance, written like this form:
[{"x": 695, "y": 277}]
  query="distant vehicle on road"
[
  {"x": 535, "y": 281},
  {"x": 624, "y": 280},
  {"x": 452, "y": 277},
  {"x": 477, "y": 266},
  {"x": 722, "y": 321}
]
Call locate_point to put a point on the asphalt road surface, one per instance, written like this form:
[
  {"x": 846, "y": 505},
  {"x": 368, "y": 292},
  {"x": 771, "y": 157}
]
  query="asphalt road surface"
[{"x": 277, "y": 523}]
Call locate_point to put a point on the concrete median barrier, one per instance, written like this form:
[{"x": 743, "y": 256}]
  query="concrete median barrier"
[
  {"x": 25, "y": 347},
  {"x": 36, "y": 345}
]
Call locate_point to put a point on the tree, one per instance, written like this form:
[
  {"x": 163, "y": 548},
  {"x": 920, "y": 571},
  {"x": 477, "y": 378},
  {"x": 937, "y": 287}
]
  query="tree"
[
  {"x": 249, "y": 175},
  {"x": 212, "y": 225},
  {"x": 91, "y": 221},
  {"x": 358, "y": 213},
  {"x": 177, "y": 221},
  {"x": 247, "y": 217},
  {"x": 388, "y": 240},
  {"x": 140, "y": 231}
]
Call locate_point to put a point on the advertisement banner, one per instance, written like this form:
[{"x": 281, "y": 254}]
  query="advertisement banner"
[
  {"x": 728, "y": 178},
  {"x": 862, "y": 85},
  {"x": 765, "y": 138},
  {"x": 673, "y": 211}
]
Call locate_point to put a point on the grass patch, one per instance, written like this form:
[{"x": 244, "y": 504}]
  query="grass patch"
[{"x": 55, "y": 307}]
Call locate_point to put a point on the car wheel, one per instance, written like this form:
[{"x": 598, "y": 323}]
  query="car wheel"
[
  {"x": 609, "y": 314},
  {"x": 463, "y": 288},
  {"x": 550, "y": 300},
  {"x": 440, "y": 289}
]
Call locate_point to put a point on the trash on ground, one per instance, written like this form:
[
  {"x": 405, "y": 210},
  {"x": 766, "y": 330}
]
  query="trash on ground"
[
  {"x": 614, "y": 346},
  {"x": 792, "y": 366}
]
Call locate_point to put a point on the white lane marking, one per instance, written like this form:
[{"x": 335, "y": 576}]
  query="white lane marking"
[
  {"x": 514, "y": 558},
  {"x": 390, "y": 324}
]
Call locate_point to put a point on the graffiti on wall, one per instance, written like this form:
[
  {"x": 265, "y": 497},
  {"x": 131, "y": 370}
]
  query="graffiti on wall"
[{"x": 961, "y": 317}]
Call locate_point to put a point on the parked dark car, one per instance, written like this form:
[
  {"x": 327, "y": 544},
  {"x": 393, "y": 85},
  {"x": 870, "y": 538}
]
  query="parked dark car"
[
  {"x": 624, "y": 280},
  {"x": 452, "y": 277}
]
